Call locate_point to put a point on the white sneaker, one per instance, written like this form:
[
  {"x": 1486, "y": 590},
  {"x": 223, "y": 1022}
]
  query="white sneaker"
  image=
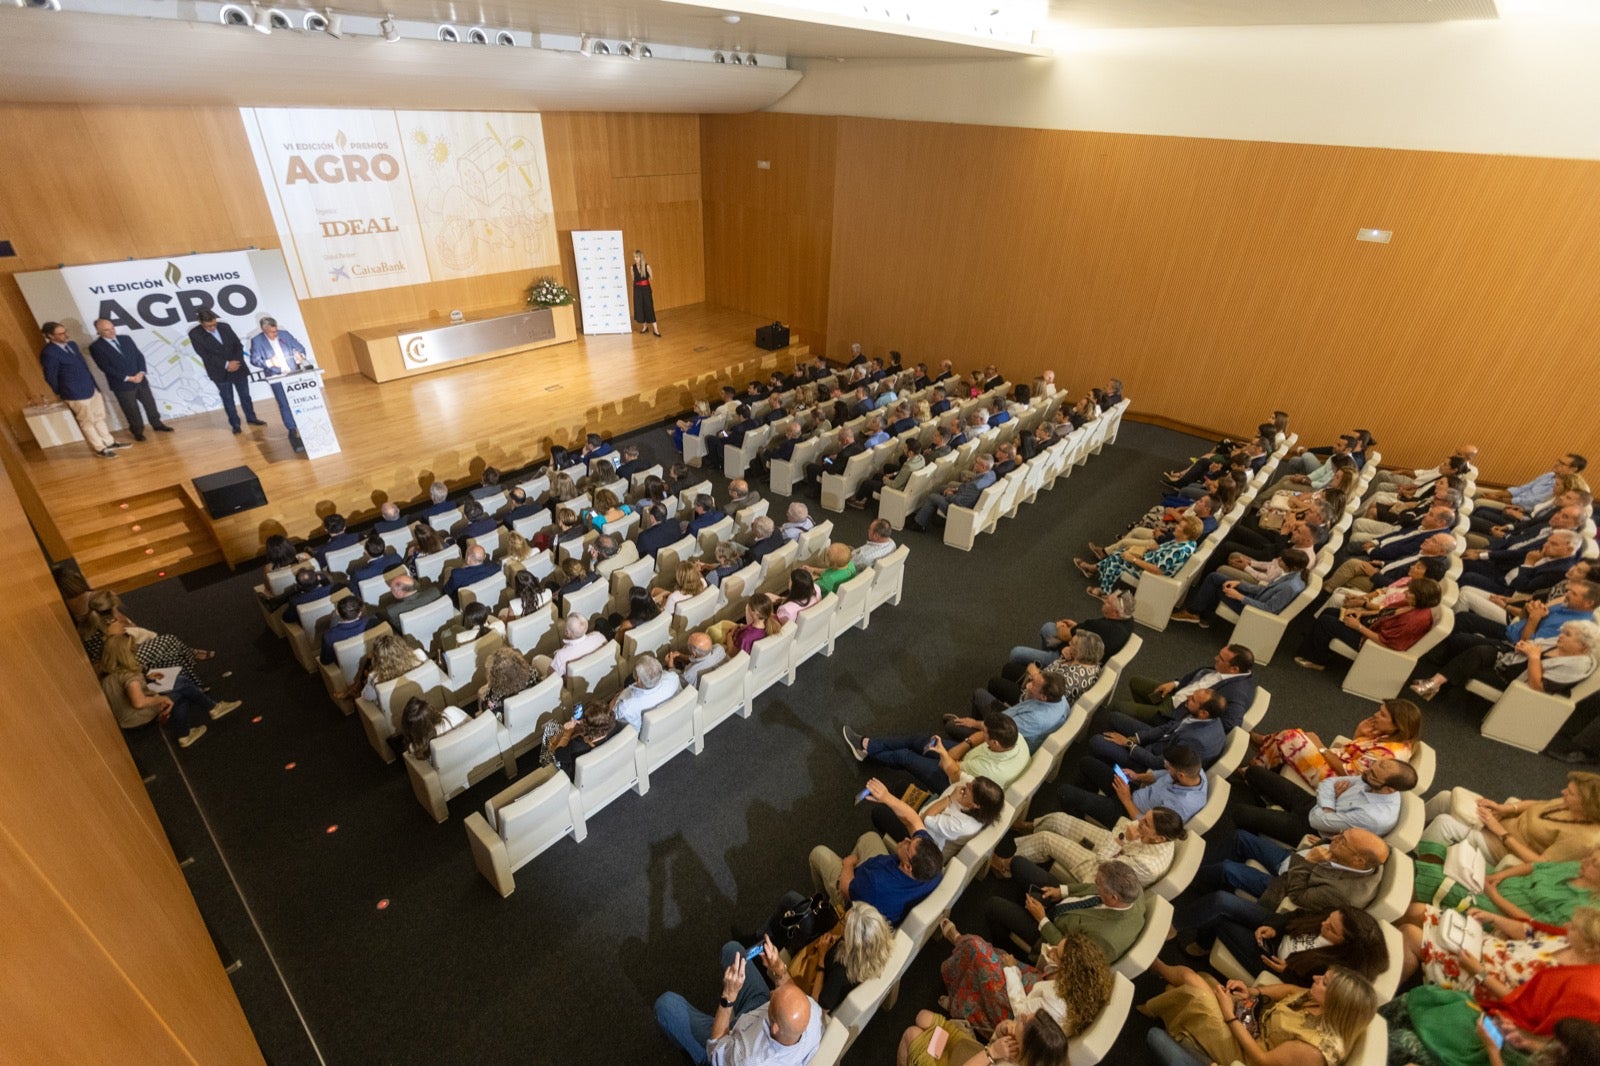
[
  {"x": 191, "y": 736},
  {"x": 226, "y": 707}
]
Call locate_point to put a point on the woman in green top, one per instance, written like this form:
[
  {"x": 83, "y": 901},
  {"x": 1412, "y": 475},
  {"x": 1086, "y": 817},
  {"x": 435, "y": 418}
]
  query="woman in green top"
[
  {"x": 1532, "y": 891},
  {"x": 839, "y": 569}
]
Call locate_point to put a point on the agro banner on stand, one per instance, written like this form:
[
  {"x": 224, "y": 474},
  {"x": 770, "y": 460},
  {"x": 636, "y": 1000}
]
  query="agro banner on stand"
[
  {"x": 157, "y": 301},
  {"x": 371, "y": 199},
  {"x": 602, "y": 281}
]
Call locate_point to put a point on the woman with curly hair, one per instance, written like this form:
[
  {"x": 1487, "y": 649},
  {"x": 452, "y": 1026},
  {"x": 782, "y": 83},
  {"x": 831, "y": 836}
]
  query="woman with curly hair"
[
  {"x": 509, "y": 674},
  {"x": 985, "y": 986},
  {"x": 391, "y": 656},
  {"x": 154, "y": 650}
]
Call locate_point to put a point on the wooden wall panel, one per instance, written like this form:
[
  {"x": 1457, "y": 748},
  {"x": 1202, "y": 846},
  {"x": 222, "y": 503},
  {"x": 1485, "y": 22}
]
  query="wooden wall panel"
[
  {"x": 88, "y": 184},
  {"x": 1221, "y": 279},
  {"x": 769, "y": 233},
  {"x": 106, "y": 955}
]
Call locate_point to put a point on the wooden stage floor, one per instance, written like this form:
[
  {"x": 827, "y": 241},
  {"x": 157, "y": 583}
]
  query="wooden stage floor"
[{"x": 136, "y": 518}]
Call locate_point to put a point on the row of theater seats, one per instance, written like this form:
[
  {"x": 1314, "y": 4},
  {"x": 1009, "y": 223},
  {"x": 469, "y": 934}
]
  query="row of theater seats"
[
  {"x": 1519, "y": 716},
  {"x": 484, "y": 745},
  {"x": 523, "y": 820}
]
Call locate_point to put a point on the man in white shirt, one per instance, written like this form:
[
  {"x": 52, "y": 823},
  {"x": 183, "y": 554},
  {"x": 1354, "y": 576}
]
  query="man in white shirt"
[
  {"x": 798, "y": 520},
  {"x": 652, "y": 686},
  {"x": 880, "y": 542},
  {"x": 703, "y": 654},
  {"x": 753, "y": 1026},
  {"x": 576, "y": 643}
]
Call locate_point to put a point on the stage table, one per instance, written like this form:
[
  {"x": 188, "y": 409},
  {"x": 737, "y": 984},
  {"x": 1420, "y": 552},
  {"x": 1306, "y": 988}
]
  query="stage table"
[{"x": 385, "y": 353}]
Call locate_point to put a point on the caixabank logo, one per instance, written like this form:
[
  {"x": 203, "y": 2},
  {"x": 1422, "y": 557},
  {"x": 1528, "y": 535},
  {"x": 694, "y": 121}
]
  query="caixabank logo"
[{"x": 173, "y": 297}]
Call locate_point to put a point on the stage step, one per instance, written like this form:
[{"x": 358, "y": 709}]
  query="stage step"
[{"x": 127, "y": 543}]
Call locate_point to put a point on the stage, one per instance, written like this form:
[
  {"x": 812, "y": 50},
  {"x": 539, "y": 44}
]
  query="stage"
[{"x": 134, "y": 519}]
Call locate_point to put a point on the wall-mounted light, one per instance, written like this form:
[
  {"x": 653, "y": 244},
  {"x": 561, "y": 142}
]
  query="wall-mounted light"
[
  {"x": 477, "y": 35},
  {"x": 448, "y": 34},
  {"x": 504, "y": 37},
  {"x": 233, "y": 15}
]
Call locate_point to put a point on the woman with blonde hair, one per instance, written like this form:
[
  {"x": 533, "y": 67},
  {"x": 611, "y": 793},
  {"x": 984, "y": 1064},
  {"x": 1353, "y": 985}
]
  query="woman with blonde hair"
[
  {"x": 1281, "y": 1024},
  {"x": 1555, "y": 830},
  {"x": 1390, "y": 732},
  {"x": 127, "y": 689},
  {"x": 514, "y": 551},
  {"x": 155, "y": 651},
  {"x": 391, "y": 656},
  {"x": 687, "y": 581},
  {"x": 986, "y": 986},
  {"x": 830, "y": 967}
]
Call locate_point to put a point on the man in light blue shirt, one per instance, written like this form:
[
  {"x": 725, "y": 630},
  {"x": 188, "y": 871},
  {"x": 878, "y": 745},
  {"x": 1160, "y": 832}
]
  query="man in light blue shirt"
[
  {"x": 1369, "y": 800},
  {"x": 1041, "y": 711},
  {"x": 1180, "y": 786},
  {"x": 875, "y": 433},
  {"x": 1530, "y": 494}
]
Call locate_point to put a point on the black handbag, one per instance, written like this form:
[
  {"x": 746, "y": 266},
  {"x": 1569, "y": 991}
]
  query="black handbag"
[{"x": 798, "y": 924}]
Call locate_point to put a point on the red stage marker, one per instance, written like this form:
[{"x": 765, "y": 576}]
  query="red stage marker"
[
  {"x": 288, "y": 766},
  {"x": 161, "y": 573},
  {"x": 383, "y": 904},
  {"x": 136, "y": 528},
  {"x": 333, "y": 829},
  {"x": 256, "y": 719},
  {"x": 123, "y": 506},
  {"x": 149, "y": 551}
]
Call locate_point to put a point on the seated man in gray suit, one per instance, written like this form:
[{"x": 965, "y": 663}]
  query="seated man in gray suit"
[{"x": 962, "y": 494}]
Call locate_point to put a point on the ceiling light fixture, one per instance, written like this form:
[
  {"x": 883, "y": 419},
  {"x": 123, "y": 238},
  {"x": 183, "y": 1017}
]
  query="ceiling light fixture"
[
  {"x": 505, "y": 38},
  {"x": 233, "y": 15},
  {"x": 477, "y": 35},
  {"x": 599, "y": 48},
  {"x": 448, "y": 34}
]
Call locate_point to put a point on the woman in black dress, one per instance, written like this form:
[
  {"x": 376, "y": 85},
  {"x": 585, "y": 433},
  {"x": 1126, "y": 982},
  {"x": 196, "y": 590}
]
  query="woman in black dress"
[{"x": 644, "y": 301}]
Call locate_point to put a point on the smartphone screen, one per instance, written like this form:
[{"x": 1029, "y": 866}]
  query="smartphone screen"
[
  {"x": 937, "y": 1041},
  {"x": 1121, "y": 773},
  {"x": 1494, "y": 1032},
  {"x": 863, "y": 794},
  {"x": 753, "y": 953},
  {"x": 577, "y": 713}
]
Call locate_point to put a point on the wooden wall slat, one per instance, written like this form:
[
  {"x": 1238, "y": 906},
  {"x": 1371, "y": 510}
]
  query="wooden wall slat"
[{"x": 1221, "y": 279}]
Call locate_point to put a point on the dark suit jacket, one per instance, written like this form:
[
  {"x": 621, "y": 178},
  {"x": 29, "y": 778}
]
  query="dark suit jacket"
[
  {"x": 784, "y": 449},
  {"x": 902, "y": 426},
  {"x": 968, "y": 493},
  {"x": 763, "y": 548},
  {"x": 360, "y": 571},
  {"x": 1238, "y": 689},
  {"x": 464, "y": 575},
  {"x": 334, "y": 543},
  {"x": 118, "y": 360},
  {"x": 657, "y": 537},
  {"x": 1398, "y": 546},
  {"x": 216, "y": 352},
  {"x": 1114, "y": 931},
  {"x": 632, "y": 467},
  {"x": 516, "y": 514},
  {"x": 710, "y": 518},
  {"x": 424, "y": 595},
  {"x": 1321, "y": 887},
  {"x": 835, "y": 463}
]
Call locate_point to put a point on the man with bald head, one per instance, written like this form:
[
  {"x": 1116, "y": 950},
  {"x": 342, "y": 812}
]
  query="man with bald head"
[
  {"x": 390, "y": 519},
  {"x": 755, "y": 1025},
  {"x": 703, "y": 654},
  {"x": 405, "y": 594},
  {"x": 474, "y": 567},
  {"x": 1343, "y": 871}
]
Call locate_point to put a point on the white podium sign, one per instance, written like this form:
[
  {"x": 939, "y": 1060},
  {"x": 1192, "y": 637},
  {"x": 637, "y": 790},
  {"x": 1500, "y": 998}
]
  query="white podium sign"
[
  {"x": 310, "y": 409},
  {"x": 604, "y": 284}
]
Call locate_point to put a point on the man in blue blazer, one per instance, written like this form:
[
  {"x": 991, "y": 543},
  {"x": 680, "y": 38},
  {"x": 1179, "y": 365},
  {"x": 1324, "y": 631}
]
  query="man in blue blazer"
[
  {"x": 68, "y": 377},
  {"x": 121, "y": 361},
  {"x": 1230, "y": 675},
  {"x": 219, "y": 348},
  {"x": 275, "y": 352},
  {"x": 1271, "y": 597}
]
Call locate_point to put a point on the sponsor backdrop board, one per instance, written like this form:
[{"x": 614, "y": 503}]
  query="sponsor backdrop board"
[
  {"x": 603, "y": 281},
  {"x": 370, "y": 199},
  {"x": 157, "y": 302}
]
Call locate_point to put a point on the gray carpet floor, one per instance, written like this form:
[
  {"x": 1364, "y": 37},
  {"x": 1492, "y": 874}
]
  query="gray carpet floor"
[{"x": 394, "y": 950}]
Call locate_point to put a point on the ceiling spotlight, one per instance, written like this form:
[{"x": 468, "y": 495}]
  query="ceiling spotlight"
[
  {"x": 314, "y": 22},
  {"x": 737, "y": 61},
  {"x": 624, "y": 49},
  {"x": 504, "y": 37},
  {"x": 233, "y": 15},
  {"x": 718, "y": 57},
  {"x": 750, "y": 60},
  {"x": 390, "y": 31},
  {"x": 732, "y": 20},
  {"x": 42, "y": 5},
  {"x": 599, "y": 48},
  {"x": 278, "y": 20},
  {"x": 642, "y": 52},
  {"x": 448, "y": 34},
  {"x": 477, "y": 35}
]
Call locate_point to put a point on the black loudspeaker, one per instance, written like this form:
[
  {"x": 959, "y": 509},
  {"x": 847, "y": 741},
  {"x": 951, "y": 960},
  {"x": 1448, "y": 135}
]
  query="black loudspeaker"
[
  {"x": 773, "y": 337},
  {"x": 230, "y": 491}
]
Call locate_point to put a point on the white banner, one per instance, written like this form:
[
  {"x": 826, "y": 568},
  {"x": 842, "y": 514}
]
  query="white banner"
[
  {"x": 369, "y": 199},
  {"x": 157, "y": 301},
  {"x": 341, "y": 198},
  {"x": 603, "y": 281},
  {"x": 310, "y": 410}
]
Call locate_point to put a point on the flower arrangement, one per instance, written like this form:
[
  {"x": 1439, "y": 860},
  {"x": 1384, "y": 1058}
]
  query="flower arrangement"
[{"x": 548, "y": 292}]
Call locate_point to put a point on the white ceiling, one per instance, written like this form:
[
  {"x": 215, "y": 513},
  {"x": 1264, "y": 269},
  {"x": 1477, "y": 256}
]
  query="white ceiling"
[{"x": 1153, "y": 14}]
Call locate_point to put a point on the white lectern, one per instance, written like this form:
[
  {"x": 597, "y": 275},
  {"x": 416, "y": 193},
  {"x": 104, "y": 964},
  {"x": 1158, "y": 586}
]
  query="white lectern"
[{"x": 304, "y": 391}]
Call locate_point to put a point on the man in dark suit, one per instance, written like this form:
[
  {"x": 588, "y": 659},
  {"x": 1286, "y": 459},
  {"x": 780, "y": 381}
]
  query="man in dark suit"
[
  {"x": 518, "y": 507},
  {"x": 1229, "y": 675},
  {"x": 475, "y": 567},
  {"x": 631, "y": 463},
  {"x": 350, "y": 620},
  {"x": 405, "y": 594},
  {"x": 390, "y": 519},
  {"x": 849, "y": 447},
  {"x": 706, "y": 513},
  {"x": 220, "y": 349},
  {"x": 657, "y": 532},
  {"x": 68, "y": 377},
  {"x": 121, "y": 361},
  {"x": 765, "y": 538}
]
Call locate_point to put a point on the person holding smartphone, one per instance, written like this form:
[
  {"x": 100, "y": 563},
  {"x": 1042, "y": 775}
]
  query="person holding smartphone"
[{"x": 775, "y": 1025}]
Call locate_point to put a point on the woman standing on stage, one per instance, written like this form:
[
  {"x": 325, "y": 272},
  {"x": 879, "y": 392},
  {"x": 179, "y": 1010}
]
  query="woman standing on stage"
[{"x": 644, "y": 300}]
